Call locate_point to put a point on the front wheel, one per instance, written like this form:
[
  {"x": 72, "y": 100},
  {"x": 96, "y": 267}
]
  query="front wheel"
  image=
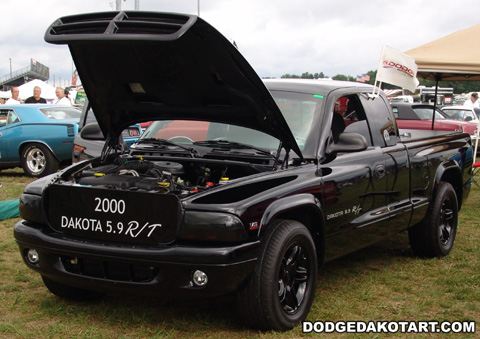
[
  {"x": 435, "y": 235},
  {"x": 281, "y": 290},
  {"x": 38, "y": 161}
]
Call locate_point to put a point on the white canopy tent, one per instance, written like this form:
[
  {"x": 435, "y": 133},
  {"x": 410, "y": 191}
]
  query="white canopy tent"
[
  {"x": 26, "y": 90},
  {"x": 5, "y": 94},
  {"x": 455, "y": 57}
]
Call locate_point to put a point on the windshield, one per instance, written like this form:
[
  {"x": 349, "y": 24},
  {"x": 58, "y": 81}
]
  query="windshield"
[
  {"x": 426, "y": 114},
  {"x": 188, "y": 132},
  {"x": 459, "y": 114},
  {"x": 297, "y": 109},
  {"x": 61, "y": 112}
]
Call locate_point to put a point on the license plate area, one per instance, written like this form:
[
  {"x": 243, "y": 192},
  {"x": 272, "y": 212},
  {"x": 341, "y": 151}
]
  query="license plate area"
[{"x": 119, "y": 216}]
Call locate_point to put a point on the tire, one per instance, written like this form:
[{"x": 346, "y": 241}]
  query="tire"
[
  {"x": 38, "y": 161},
  {"x": 435, "y": 235},
  {"x": 69, "y": 292},
  {"x": 280, "y": 292}
]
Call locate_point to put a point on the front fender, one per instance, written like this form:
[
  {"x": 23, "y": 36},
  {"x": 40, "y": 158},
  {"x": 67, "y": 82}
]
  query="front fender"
[{"x": 286, "y": 204}]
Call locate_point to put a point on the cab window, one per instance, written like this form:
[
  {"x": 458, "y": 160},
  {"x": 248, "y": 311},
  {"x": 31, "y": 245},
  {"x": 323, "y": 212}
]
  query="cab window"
[
  {"x": 12, "y": 118},
  {"x": 8, "y": 117},
  {"x": 349, "y": 116},
  {"x": 383, "y": 127}
]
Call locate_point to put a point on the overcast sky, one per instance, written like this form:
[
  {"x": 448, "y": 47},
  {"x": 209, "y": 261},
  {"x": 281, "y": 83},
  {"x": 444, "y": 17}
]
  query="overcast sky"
[{"x": 275, "y": 36}]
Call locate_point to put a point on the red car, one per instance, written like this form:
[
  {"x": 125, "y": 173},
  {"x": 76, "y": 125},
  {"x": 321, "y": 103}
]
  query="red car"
[
  {"x": 144, "y": 125},
  {"x": 182, "y": 131},
  {"x": 419, "y": 116}
]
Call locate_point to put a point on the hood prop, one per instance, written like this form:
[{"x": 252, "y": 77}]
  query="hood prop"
[{"x": 113, "y": 143}]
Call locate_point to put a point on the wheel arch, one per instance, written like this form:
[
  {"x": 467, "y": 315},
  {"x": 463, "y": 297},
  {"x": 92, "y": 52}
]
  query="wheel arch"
[
  {"x": 450, "y": 172},
  {"x": 304, "y": 208},
  {"x": 25, "y": 144}
]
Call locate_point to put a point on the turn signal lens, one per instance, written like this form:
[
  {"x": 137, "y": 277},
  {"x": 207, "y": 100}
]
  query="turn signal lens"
[{"x": 79, "y": 148}]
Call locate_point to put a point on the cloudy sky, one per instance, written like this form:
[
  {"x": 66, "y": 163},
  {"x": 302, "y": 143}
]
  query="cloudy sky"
[{"x": 275, "y": 36}]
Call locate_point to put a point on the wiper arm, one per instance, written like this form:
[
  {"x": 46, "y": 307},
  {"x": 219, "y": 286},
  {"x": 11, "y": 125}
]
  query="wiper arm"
[
  {"x": 166, "y": 142},
  {"x": 233, "y": 145}
]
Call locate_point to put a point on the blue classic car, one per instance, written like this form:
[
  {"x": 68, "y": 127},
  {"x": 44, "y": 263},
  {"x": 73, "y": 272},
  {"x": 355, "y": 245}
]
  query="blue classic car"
[{"x": 37, "y": 137}]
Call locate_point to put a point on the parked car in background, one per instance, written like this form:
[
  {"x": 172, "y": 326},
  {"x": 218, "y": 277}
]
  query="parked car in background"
[
  {"x": 144, "y": 125},
  {"x": 180, "y": 131},
  {"x": 38, "y": 138},
  {"x": 419, "y": 116},
  {"x": 86, "y": 148},
  {"x": 462, "y": 113}
]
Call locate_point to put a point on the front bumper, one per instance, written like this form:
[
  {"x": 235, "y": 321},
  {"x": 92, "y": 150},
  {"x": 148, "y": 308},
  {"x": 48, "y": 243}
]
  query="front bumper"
[{"x": 164, "y": 271}]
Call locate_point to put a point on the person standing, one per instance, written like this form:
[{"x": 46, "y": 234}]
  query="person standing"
[
  {"x": 61, "y": 99},
  {"x": 14, "y": 99},
  {"x": 36, "y": 99},
  {"x": 473, "y": 101},
  {"x": 67, "y": 95}
]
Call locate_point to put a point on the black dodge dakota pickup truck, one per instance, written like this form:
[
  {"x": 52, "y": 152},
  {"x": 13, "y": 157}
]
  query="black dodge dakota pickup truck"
[{"x": 239, "y": 185}]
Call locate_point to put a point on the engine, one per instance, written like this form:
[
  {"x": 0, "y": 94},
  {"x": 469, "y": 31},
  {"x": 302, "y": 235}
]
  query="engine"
[{"x": 155, "y": 176}]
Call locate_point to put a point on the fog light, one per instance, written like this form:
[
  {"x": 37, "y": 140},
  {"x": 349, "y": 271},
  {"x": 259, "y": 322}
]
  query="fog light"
[
  {"x": 33, "y": 257},
  {"x": 199, "y": 278}
]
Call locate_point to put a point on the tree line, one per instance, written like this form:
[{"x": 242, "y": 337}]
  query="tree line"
[{"x": 458, "y": 86}]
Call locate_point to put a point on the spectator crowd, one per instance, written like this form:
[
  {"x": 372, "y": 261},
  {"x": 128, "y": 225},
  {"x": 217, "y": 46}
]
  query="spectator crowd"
[{"x": 61, "y": 93}]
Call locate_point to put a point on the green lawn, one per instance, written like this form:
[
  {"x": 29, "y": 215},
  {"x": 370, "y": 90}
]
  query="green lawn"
[{"x": 385, "y": 282}]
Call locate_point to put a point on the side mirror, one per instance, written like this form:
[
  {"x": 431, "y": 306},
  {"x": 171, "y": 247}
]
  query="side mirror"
[
  {"x": 348, "y": 142},
  {"x": 92, "y": 132}
]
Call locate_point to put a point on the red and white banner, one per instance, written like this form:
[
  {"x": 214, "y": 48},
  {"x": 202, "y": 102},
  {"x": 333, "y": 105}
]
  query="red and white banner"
[
  {"x": 74, "y": 78},
  {"x": 397, "y": 69}
]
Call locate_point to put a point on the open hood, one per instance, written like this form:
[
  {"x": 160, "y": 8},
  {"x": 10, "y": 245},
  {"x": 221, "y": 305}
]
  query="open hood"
[{"x": 140, "y": 66}]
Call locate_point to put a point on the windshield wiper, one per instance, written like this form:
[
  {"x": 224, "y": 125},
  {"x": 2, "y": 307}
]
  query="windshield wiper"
[
  {"x": 228, "y": 145},
  {"x": 164, "y": 142}
]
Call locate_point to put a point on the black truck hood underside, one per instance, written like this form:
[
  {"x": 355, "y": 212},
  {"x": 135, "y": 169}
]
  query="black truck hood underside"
[{"x": 140, "y": 66}]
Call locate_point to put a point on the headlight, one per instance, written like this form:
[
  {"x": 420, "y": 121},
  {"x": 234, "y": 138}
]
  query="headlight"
[
  {"x": 210, "y": 226},
  {"x": 30, "y": 208}
]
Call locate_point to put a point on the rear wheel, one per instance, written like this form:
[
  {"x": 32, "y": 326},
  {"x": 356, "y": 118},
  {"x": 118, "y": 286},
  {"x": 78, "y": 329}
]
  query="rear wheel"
[
  {"x": 435, "y": 235},
  {"x": 281, "y": 290},
  {"x": 38, "y": 160},
  {"x": 69, "y": 292}
]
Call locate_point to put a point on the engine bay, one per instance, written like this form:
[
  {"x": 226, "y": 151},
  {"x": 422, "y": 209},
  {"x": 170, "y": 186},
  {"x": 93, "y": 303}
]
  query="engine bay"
[{"x": 180, "y": 177}]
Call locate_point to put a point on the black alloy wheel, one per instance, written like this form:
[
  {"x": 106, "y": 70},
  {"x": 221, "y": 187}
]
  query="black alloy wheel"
[
  {"x": 293, "y": 278},
  {"x": 447, "y": 221}
]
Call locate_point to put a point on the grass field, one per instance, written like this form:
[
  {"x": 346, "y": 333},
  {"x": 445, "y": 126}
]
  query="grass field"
[{"x": 385, "y": 282}]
